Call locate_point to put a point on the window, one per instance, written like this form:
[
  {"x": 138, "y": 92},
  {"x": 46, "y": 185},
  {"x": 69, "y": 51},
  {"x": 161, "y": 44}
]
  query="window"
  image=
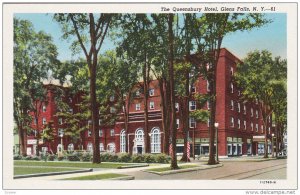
[
  {"x": 256, "y": 101},
  {"x": 90, "y": 147},
  {"x": 138, "y": 93},
  {"x": 112, "y": 132},
  {"x": 60, "y": 121},
  {"x": 137, "y": 106},
  {"x": 251, "y": 112},
  {"x": 232, "y": 105},
  {"x": 155, "y": 141},
  {"x": 239, "y": 123},
  {"x": 192, "y": 105},
  {"x": 208, "y": 122},
  {"x": 262, "y": 128},
  {"x": 251, "y": 126},
  {"x": 89, "y": 122},
  {"x": 122, "y": 142},
  {"x": 70, "y": 100},
  {"x": 101, "y": 147},
  {"x": 44, "y": 120},
  {"x": 100, "y": 133},
  {"x": 231, "y": 121},
  {"x": 151, "y": 92},
  {"x": 269, "y": 129},
  {"x": 35, "y": 121},
  {"x": 139, "y": 135},
  {"x": 239, "y": 92},
  {"x": 239, "y": 107},
  {"x": 177, "y": 107},
  {"x": 60, "y": 132},
  {"x": 231, "y": 87},
  {"x": 256, "y": 113},
  {"x": 231, "y": 71},
  {"x": 207, "y": 86},
  {"x": 208, "y": 105},
  {"x": 100, "y": 120},
  {"x": 111, "y": 147},
  {"x": 192, "y": 89},
  {"x": 245, "y": 125},
  {"x": 256, "y": 127},
  {"x": 245, "y": 109},
  {"x": 71, "y": 110},
  {"x": 112, "y": 109},
  {"x": 112, "y": 98},
  {"x": 89, "y": 133},
  {"x": 177, "y": 123},
  {"x": 71, "y": 147},
  {"x": 151, "y": 105},
  {"x": 44, "y": 108},
  {"x": 192, "y": 122}
]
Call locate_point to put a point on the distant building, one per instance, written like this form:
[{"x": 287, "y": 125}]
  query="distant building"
[{"x": 240, "y": 131}]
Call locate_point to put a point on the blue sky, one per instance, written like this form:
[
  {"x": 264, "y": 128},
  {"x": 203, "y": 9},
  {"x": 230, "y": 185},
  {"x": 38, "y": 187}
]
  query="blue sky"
[{"x": 272, "y": 37}]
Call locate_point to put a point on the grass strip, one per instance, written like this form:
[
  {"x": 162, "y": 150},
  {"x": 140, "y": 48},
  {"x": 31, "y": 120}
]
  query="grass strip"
[
  {"x": 35, "y": 170},
  {"x": 169, "y": 168},
  {"x": 71, "y": 164},
  {"x": 97, "y": 177}
]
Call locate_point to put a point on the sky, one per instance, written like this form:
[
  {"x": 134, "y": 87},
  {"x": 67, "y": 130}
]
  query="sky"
[{"x": 272, "y": 37}]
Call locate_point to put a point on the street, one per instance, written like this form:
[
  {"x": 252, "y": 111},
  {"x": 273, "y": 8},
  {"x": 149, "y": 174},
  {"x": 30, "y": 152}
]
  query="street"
[{"x": 273, "y": 169}]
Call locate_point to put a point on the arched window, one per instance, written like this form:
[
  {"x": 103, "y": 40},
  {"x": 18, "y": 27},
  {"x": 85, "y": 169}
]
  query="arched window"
[
  {"x": 122, "y": 142},
  {"x": 155, "y": 141},
  {"x": 71, "y": 147},
  {"x": 101, "y": 147},
  {"x": 139, "y": 135},
  {"x": 111, "y": 147}
]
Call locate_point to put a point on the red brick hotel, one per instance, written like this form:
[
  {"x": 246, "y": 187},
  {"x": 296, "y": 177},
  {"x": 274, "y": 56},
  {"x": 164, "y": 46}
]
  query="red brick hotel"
[{"x": 240, "y": 130}]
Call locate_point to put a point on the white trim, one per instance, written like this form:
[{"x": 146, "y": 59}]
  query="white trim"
[{"x": 138, "y": 121}]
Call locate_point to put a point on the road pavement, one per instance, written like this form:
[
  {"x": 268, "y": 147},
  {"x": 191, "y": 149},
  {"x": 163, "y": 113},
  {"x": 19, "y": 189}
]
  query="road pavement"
[{"x": 232, "y": 170}]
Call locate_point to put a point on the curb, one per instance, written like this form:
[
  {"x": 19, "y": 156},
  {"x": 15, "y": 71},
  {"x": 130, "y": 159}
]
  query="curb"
[
  {"x": 52, "y": 173},
  {"x": 123, "y": 178},
  {"x": 133, "y": 166},
  {"x": 202, "y": 167}
]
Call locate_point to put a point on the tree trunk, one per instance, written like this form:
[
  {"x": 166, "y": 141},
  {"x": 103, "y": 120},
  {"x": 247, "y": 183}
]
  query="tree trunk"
[
  {"x": 164, "y": 115},
  {"x": 22, "y": 141},
  {"x": 146, "y": 94},
  {"x": 173, "y": 129},
  {"x": 185, "y": 117}
]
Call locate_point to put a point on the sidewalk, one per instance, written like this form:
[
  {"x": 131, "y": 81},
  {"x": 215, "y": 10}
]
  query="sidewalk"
[
  {"x": 120, "y": 171},
  {"x": 236, "y": 159}
]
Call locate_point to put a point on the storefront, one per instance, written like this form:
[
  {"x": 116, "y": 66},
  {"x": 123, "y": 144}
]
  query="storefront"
[{"x": 234, "y": 146}]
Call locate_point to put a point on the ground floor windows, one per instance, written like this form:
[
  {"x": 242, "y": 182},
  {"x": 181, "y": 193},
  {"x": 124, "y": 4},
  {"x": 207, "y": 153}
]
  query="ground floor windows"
[
  {"x": 234, "y": 146},
  {"x": 122, "y": 142},
  {"x": 90, "y": 147},
  {"x": 111, "y": 147},
  {"x": 71, "y": 147},
  {"x": 155, "y": 141},
  {"x": 101, "y": 147}
]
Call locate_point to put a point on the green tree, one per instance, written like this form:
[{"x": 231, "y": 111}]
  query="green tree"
[
  {"x": 48, "y": 134},
  {"x": 34, "y": 56},
  {"x": 257, "y": 78},
  {"x": 90, "y": 31},
  {"x": 214, "y": 27}
]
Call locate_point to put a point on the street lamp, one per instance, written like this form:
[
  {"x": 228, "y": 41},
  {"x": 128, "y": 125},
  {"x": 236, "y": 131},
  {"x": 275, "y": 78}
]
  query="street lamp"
[
  {"x": 61, "y": 141},
  {"x": 272, "y": 145},
  {"x": 217, "y": 155}
]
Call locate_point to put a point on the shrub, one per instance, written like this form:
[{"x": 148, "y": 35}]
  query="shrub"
[
  {"x": 60, "y": 158},
  {"x": 113, "y": 158},
  {"x": 73, "y": 157},
  {"x": 86, "y": 157},
  {"x": 149, "y": 158},
  {"x": 137, "y": 158},
  {"x": 162, "y": 158},
  {"x": 36, "y": 158},
  {"x": 124, "y": 157},
  {"x": 28, "y": 158},
  {"x": 17, "y": 157},
  {"x": 104, "y": 157},
  {"x": 51, "y": 157}
]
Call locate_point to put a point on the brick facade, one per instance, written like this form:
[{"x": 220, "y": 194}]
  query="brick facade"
[{"x": 233, "y": 139}]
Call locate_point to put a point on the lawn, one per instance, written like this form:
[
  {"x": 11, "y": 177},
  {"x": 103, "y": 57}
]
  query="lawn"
[
  {"x": 97, "y": 177},
  {"x": 70, "y": 164},
  {"x": 35, "y": 170},
  {"x": 169, "y": 169}
]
